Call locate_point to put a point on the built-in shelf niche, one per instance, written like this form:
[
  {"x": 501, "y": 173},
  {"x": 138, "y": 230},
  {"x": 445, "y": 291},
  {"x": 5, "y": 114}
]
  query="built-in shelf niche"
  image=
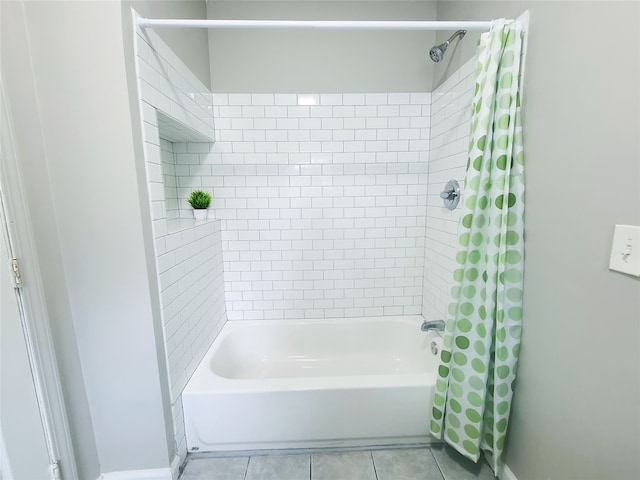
[{"x": 178, "y": 179}]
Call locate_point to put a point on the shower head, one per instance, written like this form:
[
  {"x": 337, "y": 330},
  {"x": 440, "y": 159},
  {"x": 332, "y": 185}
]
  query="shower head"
[{"x": 437, "y": 52}]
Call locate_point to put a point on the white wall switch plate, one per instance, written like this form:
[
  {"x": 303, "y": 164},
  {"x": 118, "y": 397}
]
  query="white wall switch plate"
[{"x": 625, "y": 250}]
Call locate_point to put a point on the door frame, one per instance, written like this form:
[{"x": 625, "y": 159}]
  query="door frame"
[{"x": 36, "y": 325}]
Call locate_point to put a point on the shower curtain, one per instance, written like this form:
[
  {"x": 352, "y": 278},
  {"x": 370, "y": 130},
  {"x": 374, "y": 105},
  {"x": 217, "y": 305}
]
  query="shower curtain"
[{"x": 482, "y": 341}]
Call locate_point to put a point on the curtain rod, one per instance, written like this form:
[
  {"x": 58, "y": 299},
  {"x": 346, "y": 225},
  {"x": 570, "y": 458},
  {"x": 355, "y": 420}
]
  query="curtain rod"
[{"x": 317, "y": 24}]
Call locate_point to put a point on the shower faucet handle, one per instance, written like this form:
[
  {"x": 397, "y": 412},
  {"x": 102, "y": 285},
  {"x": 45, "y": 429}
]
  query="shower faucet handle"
[
  {"x": 447, "y": 194},
  {"x": 451, "y": 194}
]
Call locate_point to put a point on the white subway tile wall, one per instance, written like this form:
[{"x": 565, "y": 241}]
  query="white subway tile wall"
[
  {"x": 177, "y": 106},
  {"x": 180, "y": 436},
  {"x": 169, "y": 180},
  {"x": 450, "y": 128},
  {"x": 326, "y": 205},
  {"x": 191, "y": 296},
  {"x": 167, "y": 84},
  {"x": 322, "y": 200}
]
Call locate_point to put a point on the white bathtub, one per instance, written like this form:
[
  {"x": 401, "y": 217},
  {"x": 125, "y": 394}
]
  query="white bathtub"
[{"x": 312, "y": 383}]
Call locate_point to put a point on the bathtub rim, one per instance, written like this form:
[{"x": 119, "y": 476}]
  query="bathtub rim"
[{"x": 205, "y": 381}]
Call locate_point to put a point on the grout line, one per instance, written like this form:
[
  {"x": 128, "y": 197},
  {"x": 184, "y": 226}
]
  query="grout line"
[
  {"x": 246, "y": 470},
  {"x": 437, "y": 464},
  {"x": 375, "y": 471}
]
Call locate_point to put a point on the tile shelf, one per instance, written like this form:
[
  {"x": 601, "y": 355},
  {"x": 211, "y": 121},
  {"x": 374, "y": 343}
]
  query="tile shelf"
[{"x": 182, "y": 224}]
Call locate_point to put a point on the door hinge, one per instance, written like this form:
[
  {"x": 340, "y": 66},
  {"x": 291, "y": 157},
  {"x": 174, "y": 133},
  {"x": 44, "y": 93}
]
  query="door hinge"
[
  {"x": 54, "y": 468},
  {"x": 15, "y": 268}
]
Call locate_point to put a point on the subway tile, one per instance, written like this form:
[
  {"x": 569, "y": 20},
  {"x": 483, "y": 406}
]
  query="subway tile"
[
  {"x": 376, "y": 98},
  {"x": 376, "y": 122},
  {"x": 299, "y": 136},
  {"x": 398, "y": 98},
  {"x": 331, "y": 99},
  {"x": 239, "y": 99},
  {"x": 332, "y": 146},
  {"x": 366, "y": 111},
  {"x": 310, "y": 147},
  {"x": 354, "y": 123},
  {"x": 321, "y": 111},
  {"x": 253, "y": 111},
  {"x": 346, "y": 111},
  {"x": 365, "y": 135},
  {"x": 410, "y": 110},
  {"x": 262, "y": 99},
  {"x": 230, "y": 111},
  {"x": 308, "y": 99},
  {"x": 420, "y": 98},
  {"x": 402, "y": 146},
  {"x": 285, "y": 99},
  {"x": 310, "y": 123},
  {"x": 388, "y": 111},
  {"x": 299, "y": 111},
  {"x": 332, "y": 123},
  {"x": 287, "y": 123},
  {"x": 277, "y": 111},
  {"x": 321, "y": 135},
  {"x": 401, "y": 122},
  {"x": 341, "y": 135},
  {"x": 241, "y": 123},
  {"x": 390, "y": 133},
  {"x": 220, "y": 99},
  {"x": 276, "y": 135},
  {"x": 353, "y": 99}
]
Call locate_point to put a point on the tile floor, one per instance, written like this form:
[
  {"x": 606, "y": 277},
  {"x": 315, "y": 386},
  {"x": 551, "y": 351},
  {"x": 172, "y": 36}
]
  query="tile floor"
[{"x": 435, "y": 463}]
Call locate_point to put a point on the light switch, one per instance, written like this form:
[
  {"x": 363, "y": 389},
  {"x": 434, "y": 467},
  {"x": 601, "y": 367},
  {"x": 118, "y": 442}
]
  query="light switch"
[{"x": 625, "y": 250}]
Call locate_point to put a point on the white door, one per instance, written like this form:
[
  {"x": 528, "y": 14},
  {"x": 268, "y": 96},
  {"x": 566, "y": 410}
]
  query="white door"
[
  {"x": 22, "y": 438},
  {"x": 23, "y": 446}
]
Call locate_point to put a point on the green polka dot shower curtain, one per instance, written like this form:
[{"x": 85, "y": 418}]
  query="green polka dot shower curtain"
[{"x": 478, "y": 362}]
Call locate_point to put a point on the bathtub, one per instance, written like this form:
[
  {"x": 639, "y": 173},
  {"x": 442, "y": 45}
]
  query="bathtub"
[{"x": 272, "y": 384}]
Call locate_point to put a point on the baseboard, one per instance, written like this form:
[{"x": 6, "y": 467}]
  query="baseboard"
[
  {"x": 507, "y": 474},
  {"x": 150, "y": 474}
]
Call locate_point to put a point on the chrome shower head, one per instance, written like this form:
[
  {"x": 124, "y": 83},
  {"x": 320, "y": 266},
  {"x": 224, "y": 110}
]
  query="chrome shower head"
[{"x": 437, "y": 53}]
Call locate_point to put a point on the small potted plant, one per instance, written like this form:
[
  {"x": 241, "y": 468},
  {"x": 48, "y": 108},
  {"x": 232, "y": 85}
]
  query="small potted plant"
[{"x": 200, "y": 201}]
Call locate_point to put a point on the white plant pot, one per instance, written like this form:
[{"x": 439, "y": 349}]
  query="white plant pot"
[{"x": 200, "y": 214}]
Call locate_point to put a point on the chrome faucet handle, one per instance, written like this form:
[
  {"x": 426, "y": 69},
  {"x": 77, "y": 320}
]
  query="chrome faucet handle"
[
  {"x": 451, "y": 194},
  {"x": 447, "y": 194}
]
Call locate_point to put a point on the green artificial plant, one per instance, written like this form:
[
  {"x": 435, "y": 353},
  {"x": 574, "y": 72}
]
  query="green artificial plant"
[{"x": 199, "y": 200}]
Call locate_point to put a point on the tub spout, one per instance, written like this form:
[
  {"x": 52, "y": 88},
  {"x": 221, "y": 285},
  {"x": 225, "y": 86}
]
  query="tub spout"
[{"x": 437, "y": 325}]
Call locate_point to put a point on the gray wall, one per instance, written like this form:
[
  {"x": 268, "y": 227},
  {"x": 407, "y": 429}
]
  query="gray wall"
[
  {"x": 289, "y": 61},
  {"x": 72, "y": 95},
  {"x": 84, "y": 109},
  {"x": 17, "y": 76},
  {"x": 576, "y": 403},
  {"x": 190, "y": 44},
  {"x": 462, "y": 50},
  {"x": 112, "y": 372}
]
